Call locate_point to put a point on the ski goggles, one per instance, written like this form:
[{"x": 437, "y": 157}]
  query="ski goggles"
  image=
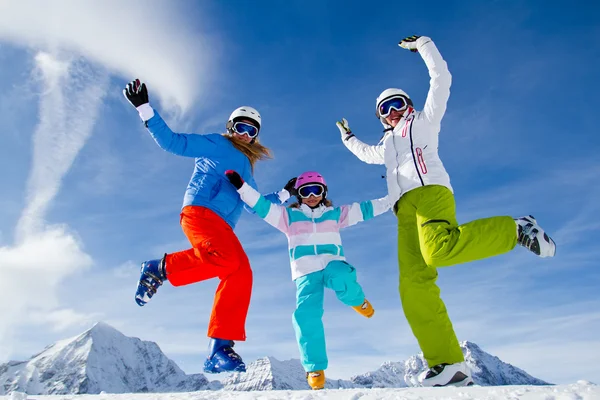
[
  {"x": 311, "y": 190},
  {"x": 397, "y": 103},
  {"x": 244, "y": 128}
]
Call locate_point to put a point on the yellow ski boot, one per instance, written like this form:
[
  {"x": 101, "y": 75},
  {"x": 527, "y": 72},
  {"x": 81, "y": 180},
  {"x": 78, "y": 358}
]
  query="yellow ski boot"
[
  {"x": 316, "y": 379},
  {"x": 365, "y": 309}
]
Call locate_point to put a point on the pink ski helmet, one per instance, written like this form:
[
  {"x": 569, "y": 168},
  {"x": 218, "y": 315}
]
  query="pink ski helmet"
[{"x": 310, "y": 177}]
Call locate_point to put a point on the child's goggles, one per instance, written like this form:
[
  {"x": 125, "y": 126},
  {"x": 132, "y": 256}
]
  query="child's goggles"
[
  {"x": 397, "y": 103},
  {"x": 244, "y": 128},
  {"x": 311, "y": 190}
]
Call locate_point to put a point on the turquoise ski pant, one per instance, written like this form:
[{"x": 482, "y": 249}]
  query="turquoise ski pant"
[
  {"x": 429, "y": 237},
  {"x": 308, "y": 323}
]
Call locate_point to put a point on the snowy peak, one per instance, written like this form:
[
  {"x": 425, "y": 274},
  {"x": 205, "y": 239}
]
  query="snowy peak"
[
  {"x": 487, "y": 370},
  {"x": 268, "y": 373},
  {"x": 100, "y": 359},
  {"x": 389, "y": 375}
]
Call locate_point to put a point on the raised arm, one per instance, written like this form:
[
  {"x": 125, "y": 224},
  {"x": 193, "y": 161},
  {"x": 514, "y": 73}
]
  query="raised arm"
[
  {"x": 181, "y": 144},
  {"x": 441, "y": 80},
  {"x": 278, "y": 198},
  {"x": 274, "y": 214},
  {"x": 357, "y": 212},
  {"x": 364, "y": 152}
]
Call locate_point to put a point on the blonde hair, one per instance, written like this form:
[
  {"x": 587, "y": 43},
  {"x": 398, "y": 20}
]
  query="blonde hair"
[
  {"x": 326, "y": 202},
  {"x": 254, "y": 151}
]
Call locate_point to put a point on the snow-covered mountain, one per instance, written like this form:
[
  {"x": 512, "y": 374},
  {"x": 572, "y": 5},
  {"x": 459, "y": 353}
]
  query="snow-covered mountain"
[
  {"x": 487, "y": 370},
  {"x": 100, "y": 359},
  {"x": 268, "y": 373},
  {"x": 104, "y": 360},
  {"x": 271, "y": 374}
]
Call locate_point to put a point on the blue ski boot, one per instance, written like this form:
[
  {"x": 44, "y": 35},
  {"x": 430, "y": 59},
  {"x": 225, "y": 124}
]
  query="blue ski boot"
[
  {"x": 152, "y": 276},
  {"x": 223, "y": 358}
]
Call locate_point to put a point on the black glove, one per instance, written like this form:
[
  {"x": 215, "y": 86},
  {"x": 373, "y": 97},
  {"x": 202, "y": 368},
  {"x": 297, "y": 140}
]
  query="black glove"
[
  {"x": 409, "y": 43},
  {"x": 136, "y": 93},
  {"x": 290, "y": 187},
  {"x": 235, "y": 178}
]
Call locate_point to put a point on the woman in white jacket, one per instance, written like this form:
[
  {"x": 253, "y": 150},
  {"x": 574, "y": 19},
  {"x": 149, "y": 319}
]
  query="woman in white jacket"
[{"x": 428, "y": 234}]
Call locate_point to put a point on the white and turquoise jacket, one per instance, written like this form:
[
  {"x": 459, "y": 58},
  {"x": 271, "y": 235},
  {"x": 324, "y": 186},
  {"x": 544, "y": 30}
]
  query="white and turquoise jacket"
[{"x": 313, "y": 234}]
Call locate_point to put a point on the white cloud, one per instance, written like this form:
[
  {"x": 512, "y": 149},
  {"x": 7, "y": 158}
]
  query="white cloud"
[
  {"x": 31, "y": 273},
  {"x": 145, "y": 39}
]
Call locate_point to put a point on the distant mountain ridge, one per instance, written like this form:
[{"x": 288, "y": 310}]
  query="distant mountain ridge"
[
  {"x": 269, "y": 373},
  {"x": 102, "y": 359}
]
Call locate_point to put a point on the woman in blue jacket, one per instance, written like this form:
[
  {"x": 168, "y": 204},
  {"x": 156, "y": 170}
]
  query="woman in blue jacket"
[{"x": 211, "y": 209}]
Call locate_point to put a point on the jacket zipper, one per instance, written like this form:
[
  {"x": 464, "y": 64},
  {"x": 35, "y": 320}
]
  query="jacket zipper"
[{"x": 312, "y": 214}]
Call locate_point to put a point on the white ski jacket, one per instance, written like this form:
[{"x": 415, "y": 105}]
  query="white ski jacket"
[{"x": 410, "y": 151}]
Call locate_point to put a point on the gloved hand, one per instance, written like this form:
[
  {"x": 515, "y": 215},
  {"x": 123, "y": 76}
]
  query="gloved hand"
[
  {"x": 136, "y": 93},
  {"x": 290, "y": 187},
  {"x": 235, "y": 178},
  {"x": 409, "y": 43},
  {"x": 344, "y": 128}
]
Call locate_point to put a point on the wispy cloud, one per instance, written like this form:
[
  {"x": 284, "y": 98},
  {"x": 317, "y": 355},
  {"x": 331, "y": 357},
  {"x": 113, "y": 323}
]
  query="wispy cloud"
[{"x": 69, "y": 100}]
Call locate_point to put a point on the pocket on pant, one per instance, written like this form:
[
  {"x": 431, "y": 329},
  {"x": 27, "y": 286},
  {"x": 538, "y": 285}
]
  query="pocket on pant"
[{"x": 211, "y": 250}]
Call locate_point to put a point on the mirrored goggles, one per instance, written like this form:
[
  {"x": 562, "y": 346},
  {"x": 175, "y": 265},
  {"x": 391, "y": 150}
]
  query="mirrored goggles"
[
  {"x": 244, "y": 128},
  {"x": 397, "y": 103},
  {"x": 311, "y": 190}
]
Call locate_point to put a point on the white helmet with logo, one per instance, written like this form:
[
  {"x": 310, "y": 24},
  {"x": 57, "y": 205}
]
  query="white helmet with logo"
[
  {"x": 244, "y": 112},
  {"x": 386, "y": 94}
]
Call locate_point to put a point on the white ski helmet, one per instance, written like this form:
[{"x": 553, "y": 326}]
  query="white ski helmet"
[
  {"x": 386, "y": 94},
  {"x": 244, "y": 112}
]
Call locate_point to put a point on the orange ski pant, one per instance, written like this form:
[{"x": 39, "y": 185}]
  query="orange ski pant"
[{"x": 216, "y": 253}]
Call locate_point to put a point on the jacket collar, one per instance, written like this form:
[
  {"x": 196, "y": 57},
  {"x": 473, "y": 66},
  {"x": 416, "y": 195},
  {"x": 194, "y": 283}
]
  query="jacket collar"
[
  {"x": 313, "y": 213},
  {"x": 406, "y": 118}
]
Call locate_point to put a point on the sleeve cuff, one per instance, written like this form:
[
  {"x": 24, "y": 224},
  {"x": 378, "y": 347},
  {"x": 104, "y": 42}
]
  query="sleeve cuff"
[
  {"x": 248, "y": 194},
  {"x": 283, "y": 195},
  {"x": 146, "y": 112},
  {"x": 245, "y": 188},
  {"x": 422, "y": 41}
]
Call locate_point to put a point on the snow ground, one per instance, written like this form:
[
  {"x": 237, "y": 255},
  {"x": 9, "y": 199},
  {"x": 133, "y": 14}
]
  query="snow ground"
[{"x": 582, "y": 390}]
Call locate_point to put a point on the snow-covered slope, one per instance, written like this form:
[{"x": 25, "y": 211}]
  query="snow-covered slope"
[
  {"x": 100, "y": 359},
  {"x": 582, "y": 390}
]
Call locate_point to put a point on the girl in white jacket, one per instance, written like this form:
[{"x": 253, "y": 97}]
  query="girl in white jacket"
[
  {"x": 428, "y": 234},
  {"x": 312, "y": 227}
]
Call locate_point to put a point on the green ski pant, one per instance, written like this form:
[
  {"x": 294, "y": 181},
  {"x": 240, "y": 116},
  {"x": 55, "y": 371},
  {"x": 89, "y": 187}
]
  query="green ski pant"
[{"x": 429, "y": 237}]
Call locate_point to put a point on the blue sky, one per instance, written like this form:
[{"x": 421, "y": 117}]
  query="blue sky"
[{"x": 87, "y": 194}]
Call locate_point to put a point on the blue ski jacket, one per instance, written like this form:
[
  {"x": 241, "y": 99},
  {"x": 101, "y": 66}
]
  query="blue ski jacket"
[{"x": 214, "y": 155}]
